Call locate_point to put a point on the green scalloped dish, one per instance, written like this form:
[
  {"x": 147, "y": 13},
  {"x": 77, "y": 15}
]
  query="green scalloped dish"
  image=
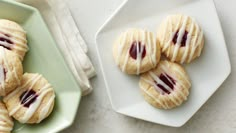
[{"x": 45, "y": 58}]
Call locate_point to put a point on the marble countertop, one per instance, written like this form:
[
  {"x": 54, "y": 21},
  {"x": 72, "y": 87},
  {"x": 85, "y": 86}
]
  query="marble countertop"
[{"x": 95, "y": 114}]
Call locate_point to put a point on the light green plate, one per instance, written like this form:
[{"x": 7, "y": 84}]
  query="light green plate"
[{"x": 45, "y": 58}]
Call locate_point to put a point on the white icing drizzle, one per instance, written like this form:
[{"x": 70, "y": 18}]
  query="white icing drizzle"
[
  {"x": 126, "y": 61},
  {"x": 163, "y": 68},
  {"x": 2, "y": 55},
  {"x": 149, "y": 48},
  {"x": 200, "y": 35},
  {"x": 45, "y": 109},
  {"x": 189, "y": 37},
  {"x": 165, "y": 103},
  {"x": 2, "y": 77},
  {"x": 127, "y": 53},
  {"x": 6, "y": 123},
  {"x": 153, "y": 55},
  {"x": 164, "y": 33},
  {"x": 172, "y": 35},
  {"x": 3, "y": 26},
  {"x": 22, "y": 46},
  {"x": 139, "y": 54},
  {"x": 179, "y": 38},
  {"x": 7, "y": 65},
  {"x": 14, "y": 38},
  {"x": 182, "y": 75},
  {"x": 35, "y": 105},
  {"x": 197, "y": 38},
  {"x": 153, "y": 97},
  {"x": 145, "y": 41},
  {"x": 17, "y": 37},
  {"x": 159, "y": 81},
  {"x": 154, "y": 85},
  {"x": 148, "y": 44},
  {"x": 22, "y": 88},
  {"x": 175, "y": 99},
  {"x": 4, "y": 118},
  {"x": 139, "y": 57}
]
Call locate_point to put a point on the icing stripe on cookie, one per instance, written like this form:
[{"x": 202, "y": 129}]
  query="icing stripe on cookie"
[
  {"x": 45, "y": 109},
  {"x": 189, "y": 51},
  {"x": 143, "y": 39},
  {"x": 6, "y": 123},
  {"x": 9, "y": 33},
  {"x": 179, "y": 39},
  {"x": 167, "y": 86},
  {"x": 35, "y": 105},
  {"x": 8, "y": 68}
]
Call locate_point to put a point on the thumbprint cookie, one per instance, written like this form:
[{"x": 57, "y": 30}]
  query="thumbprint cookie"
[
  {"x": 31, "y": 102},
  {"x": 136, "y": 51},
  {"x": 13, "y": 37},
  {"x": 6, "y": 122},
  {"x": 11, "y": 71},
  {"x": 181, "y": 38},
  {"x": 165, "y": 86}
]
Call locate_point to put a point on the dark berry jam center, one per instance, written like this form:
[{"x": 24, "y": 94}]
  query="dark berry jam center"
[
  {"x": 7, "y": 35},
  {"x": 183, "y": 39},
  {"x": 28, "y": 97},
  {"x": 6, "y": 40},
  {"x": 2, "y": 39},
  {"x": 168, "y": 80},
  {"x": 3, "y": 74},
  {"x": 134, "y": 50}
]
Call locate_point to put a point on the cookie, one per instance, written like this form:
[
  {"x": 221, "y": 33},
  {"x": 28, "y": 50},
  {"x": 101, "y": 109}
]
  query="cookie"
[
  {"x": 136, "y": 51},
  {"x": 11, "y": 71},
  {"x": 13, "y": 37},
  {"x": 165, "y": 86},
  {"x": 181, "y": 38},
  {"x": 31, "y": 102},
  {"x": 6, "y": 122}
]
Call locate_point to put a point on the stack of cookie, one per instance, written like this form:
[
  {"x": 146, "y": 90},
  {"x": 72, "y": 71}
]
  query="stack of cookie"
[
  {"x": 28, "y": 97},
  {"x": 164, "y": 83}
]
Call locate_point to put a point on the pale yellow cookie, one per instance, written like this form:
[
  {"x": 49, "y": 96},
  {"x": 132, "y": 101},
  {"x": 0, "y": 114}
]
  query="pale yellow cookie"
[
  {"x": 165, "y": 86},
  {"x": 11, "y": 71},
  {"x": 136, "y": 51},
  {"x": 13, "y": 37},
  {"x": 6, "y": 122},
  {"x": 31, "y": 102},
  {"x": 181, "y": 38}
]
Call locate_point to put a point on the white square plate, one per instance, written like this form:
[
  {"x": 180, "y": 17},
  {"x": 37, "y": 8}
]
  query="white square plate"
[{"x": 207, "y": 72}]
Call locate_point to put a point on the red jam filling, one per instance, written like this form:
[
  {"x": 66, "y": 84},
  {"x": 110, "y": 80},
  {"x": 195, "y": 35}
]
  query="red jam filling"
[
  {"x": 183, "y": 39},
  {"x": 134, "y": 50},
  {"x": 168, "y": 80},
  {"x": 5, "y": 40},
  {"x": 28, "y": 97}
]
